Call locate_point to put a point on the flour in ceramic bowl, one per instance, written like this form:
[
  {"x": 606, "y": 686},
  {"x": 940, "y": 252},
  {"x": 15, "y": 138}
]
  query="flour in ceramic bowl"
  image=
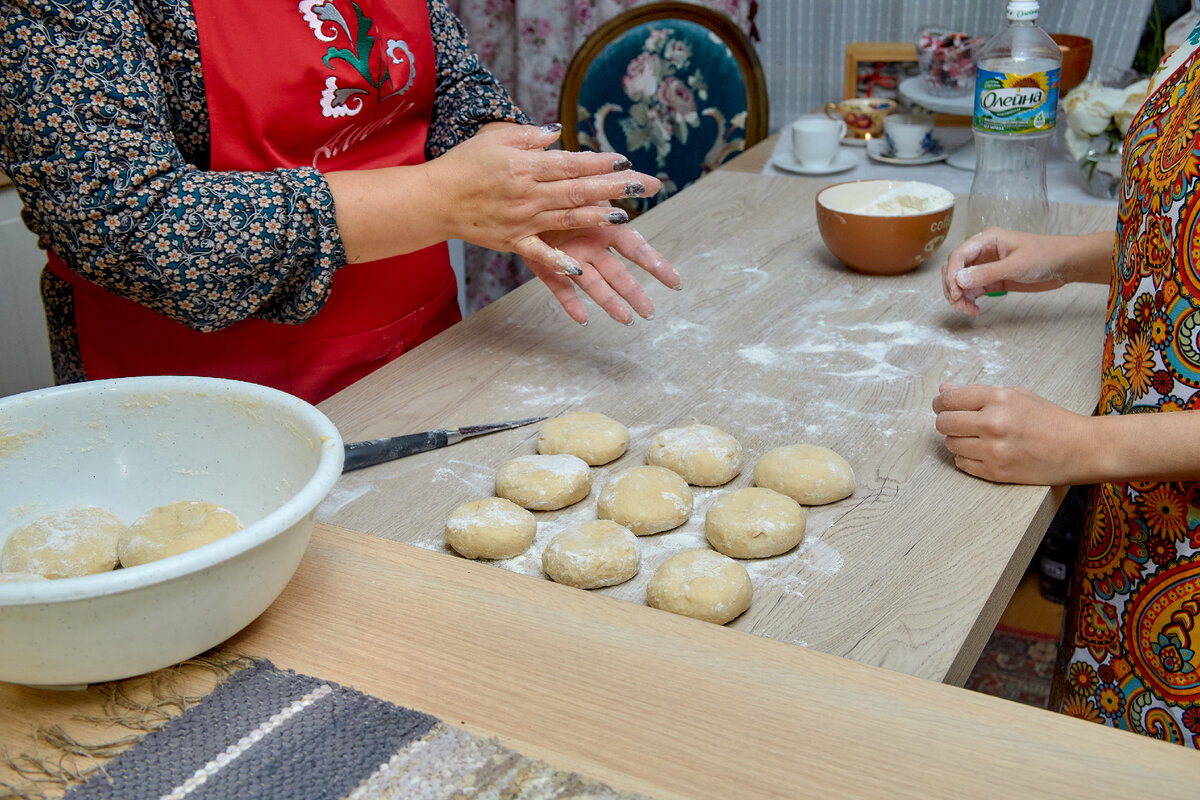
[{"x": 910, "y": 197}]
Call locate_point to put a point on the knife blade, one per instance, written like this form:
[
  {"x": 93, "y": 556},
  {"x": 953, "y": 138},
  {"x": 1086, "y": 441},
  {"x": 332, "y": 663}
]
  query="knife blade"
[{"x": 378, "y": 451}]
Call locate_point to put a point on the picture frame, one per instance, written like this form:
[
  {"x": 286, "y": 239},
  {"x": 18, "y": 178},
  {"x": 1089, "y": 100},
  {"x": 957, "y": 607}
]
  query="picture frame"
[{"x": 875, "y": 69}]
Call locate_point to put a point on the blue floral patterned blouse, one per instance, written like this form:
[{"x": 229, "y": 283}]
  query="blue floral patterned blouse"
[{"x": 104, "y": 131}]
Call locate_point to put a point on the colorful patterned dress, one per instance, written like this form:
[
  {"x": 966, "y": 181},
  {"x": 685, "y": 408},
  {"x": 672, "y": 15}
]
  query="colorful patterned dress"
[{"x": 1131, "y": 654}]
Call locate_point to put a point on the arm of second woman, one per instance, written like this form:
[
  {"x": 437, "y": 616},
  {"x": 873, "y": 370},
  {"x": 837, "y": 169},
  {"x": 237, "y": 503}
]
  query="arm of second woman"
[{"x": 1011, "y": 435}]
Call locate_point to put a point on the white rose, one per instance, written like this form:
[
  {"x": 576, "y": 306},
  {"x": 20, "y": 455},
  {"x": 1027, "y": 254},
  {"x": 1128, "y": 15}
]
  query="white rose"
[
  {"x": 1135, "y": 98},
  {"x": 1090, "y": 107}
]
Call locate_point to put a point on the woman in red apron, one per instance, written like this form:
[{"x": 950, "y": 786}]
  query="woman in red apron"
[{"x": 330, "y": 99}]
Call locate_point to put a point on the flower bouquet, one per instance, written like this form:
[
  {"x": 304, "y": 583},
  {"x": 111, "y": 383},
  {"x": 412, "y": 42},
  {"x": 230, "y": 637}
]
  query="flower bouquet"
[{"x": 1097, "y": 117}]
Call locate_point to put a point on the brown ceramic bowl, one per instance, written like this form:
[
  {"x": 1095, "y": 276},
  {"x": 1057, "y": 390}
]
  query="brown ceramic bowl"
[
  {"x": 883, "y": 227},
  {"x": 1077, "y": 60}
]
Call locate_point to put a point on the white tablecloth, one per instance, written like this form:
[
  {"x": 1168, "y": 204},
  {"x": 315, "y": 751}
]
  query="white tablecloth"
[{"x": 1064, "y": 182}]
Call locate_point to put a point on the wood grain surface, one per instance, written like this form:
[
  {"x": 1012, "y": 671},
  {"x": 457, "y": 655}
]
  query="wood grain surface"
[
  {"x": 651, "y": 702},
  {"x": 774, "y": 341}
]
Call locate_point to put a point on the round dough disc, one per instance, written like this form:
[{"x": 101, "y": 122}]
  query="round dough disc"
[
  {"x": 544, "y": 483},
  {"x": 596, "y": 438},
  {"x": 490, "y": 528},
  {"x": 754, "y": 523},
  {"x": 702, "y": 454},
  {"x": 646, "y": 500},
  {"x": 702, "y": 584},
  {"x": 809, "y": 474},
  {"x": 175, "y": 528},
  {"x": 67, "y": 543},
  {"x": 594, "y": 554}
]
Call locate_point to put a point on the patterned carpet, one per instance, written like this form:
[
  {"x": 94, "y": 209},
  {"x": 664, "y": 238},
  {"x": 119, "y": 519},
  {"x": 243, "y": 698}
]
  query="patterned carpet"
[{"x": 1016, "y": 665}]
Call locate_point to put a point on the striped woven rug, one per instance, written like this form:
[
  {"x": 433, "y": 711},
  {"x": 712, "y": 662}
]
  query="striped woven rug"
[{"x": 266, "y": 733}]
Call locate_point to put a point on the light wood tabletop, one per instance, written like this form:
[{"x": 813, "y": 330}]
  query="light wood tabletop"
[
  {"x": 651, "y": 702},
  {"x": 774, "y": 341}
]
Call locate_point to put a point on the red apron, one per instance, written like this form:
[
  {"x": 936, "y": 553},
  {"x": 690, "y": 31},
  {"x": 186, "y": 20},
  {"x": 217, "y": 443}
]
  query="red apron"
[{"x": 331, "y": 84}]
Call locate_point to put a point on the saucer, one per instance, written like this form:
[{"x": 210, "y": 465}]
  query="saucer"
[
  {"x": 878, "y": 150},
  {"x": 841, "y": 162},
  {"x": 854, "y": 141}
]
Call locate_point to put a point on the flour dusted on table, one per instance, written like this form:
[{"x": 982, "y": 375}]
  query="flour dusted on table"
[
  {"x": 544, "y": 482},
  {"x": 593, "y": 554},
  {"x": 490, "y": 528},
  {"x": 703, "y": 454}
]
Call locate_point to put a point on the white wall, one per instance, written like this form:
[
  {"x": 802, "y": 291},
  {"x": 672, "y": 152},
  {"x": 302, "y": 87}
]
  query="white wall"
[{"x": 24, "y": 350}]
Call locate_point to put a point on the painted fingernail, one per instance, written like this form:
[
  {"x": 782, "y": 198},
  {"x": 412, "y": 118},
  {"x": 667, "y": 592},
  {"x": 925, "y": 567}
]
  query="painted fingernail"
[
  {"x": 634, "y": 189},
  {"x": 570, "y": 269},
  {"x": 617, "y": 218},
  {"x": 623, "y": 164},
  {"x": 552, "y": 127}
]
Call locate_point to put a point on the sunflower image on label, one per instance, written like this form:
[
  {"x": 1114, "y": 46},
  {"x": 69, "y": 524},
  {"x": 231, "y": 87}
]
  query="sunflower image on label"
[{"x": 1015, "y": 103}]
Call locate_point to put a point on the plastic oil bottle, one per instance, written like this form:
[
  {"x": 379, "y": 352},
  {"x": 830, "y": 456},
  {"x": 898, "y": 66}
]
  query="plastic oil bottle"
[{"x": 1016, "y": 103}]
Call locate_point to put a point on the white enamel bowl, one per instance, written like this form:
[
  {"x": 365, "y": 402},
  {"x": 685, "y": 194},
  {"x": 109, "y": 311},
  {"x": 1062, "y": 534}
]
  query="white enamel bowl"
[{"x": 132, "y": 444}]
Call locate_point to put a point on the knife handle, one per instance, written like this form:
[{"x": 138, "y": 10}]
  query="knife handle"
[{"x": 378, "y": 451}]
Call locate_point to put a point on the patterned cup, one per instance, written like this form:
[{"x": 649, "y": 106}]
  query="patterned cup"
[{"x": 863, "y": 115}]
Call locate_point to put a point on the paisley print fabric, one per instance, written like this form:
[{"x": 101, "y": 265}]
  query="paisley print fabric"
[
  {"x": 1131, "y": 654},
  {"x": 104, "y": 131}
]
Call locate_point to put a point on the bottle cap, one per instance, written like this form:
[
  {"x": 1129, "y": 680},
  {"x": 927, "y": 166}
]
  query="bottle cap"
[{"x": 1023, "y": 9}]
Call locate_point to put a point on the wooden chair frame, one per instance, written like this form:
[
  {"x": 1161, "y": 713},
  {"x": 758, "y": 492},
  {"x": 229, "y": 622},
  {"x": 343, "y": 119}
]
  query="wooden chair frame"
[{"x": 757, "y": 104}]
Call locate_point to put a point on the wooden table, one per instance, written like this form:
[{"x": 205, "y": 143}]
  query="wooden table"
[
  {"x": 650, "y": 702},
  {"x": 775, "y": 342}
]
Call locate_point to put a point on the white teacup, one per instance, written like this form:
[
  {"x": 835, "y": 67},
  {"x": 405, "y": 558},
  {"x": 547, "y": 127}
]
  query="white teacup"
[
  {"x": 815, "y": 140},
  {"x": 906, "y": 133}
]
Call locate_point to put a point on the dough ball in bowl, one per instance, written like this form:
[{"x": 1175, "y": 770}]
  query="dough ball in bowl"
[
  {"x": 754, "y": 523},
  {"x": 593, "y": 554},
  {"x": 884, "y": 227},
  {"x": 66, "y": 543},
  {"x": 702, "y": 584},
  {"x": 175, "y": 528},
  {"x": 544, "y": 483},
  {"x": 596, "y": 438},
  {"x": 702, "y": 454},
  {"x": 809, "y": 474},
  {"x": 132, "y": 444},
  {"x": 646, "y": 500},
  {"x": 490, "y": 528}
]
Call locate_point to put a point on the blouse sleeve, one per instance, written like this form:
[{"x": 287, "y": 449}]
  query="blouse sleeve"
[
  {"x": 85, "y": 137},
  {"x": 468, "y": 96}
]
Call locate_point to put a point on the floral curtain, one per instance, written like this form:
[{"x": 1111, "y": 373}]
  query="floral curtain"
[{"x": 527, "y": 45}]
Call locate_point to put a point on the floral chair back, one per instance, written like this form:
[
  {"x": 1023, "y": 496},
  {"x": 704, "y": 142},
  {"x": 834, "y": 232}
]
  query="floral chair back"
[{"x": 677, "y": 88}]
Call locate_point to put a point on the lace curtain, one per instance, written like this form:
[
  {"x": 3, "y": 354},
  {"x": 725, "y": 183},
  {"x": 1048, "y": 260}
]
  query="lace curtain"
[{"x": 527, "y": 45}]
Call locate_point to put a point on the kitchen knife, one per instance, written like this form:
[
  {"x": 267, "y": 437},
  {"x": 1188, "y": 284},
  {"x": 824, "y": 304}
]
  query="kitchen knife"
[{"x": 377, "y": 451}]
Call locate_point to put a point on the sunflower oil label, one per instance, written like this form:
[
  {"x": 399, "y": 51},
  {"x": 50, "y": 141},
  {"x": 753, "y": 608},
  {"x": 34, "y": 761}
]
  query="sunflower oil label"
[{"x": 1010, "y": 102}]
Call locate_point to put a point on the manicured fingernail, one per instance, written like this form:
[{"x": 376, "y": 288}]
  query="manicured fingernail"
[
  {"x": 629, "y": 322},
  {"x": 617, "y": 217},
  {"x": 634, "y": 189},
  {"x": 623, "y": 164},
  {"x": 570, "y": 269},
  {"x": 583, "y": 324},
  {"x": 552, "y": 127},
  {"x": 648, "y": 316}
]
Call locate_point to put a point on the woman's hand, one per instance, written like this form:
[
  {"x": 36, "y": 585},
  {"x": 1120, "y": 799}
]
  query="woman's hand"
[
  {"x": 500, "y": 189},
  {"x": 1010, "y": 435},
  {"x": 604, "y": 276},
  {"x": 998, "y": 260}
]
